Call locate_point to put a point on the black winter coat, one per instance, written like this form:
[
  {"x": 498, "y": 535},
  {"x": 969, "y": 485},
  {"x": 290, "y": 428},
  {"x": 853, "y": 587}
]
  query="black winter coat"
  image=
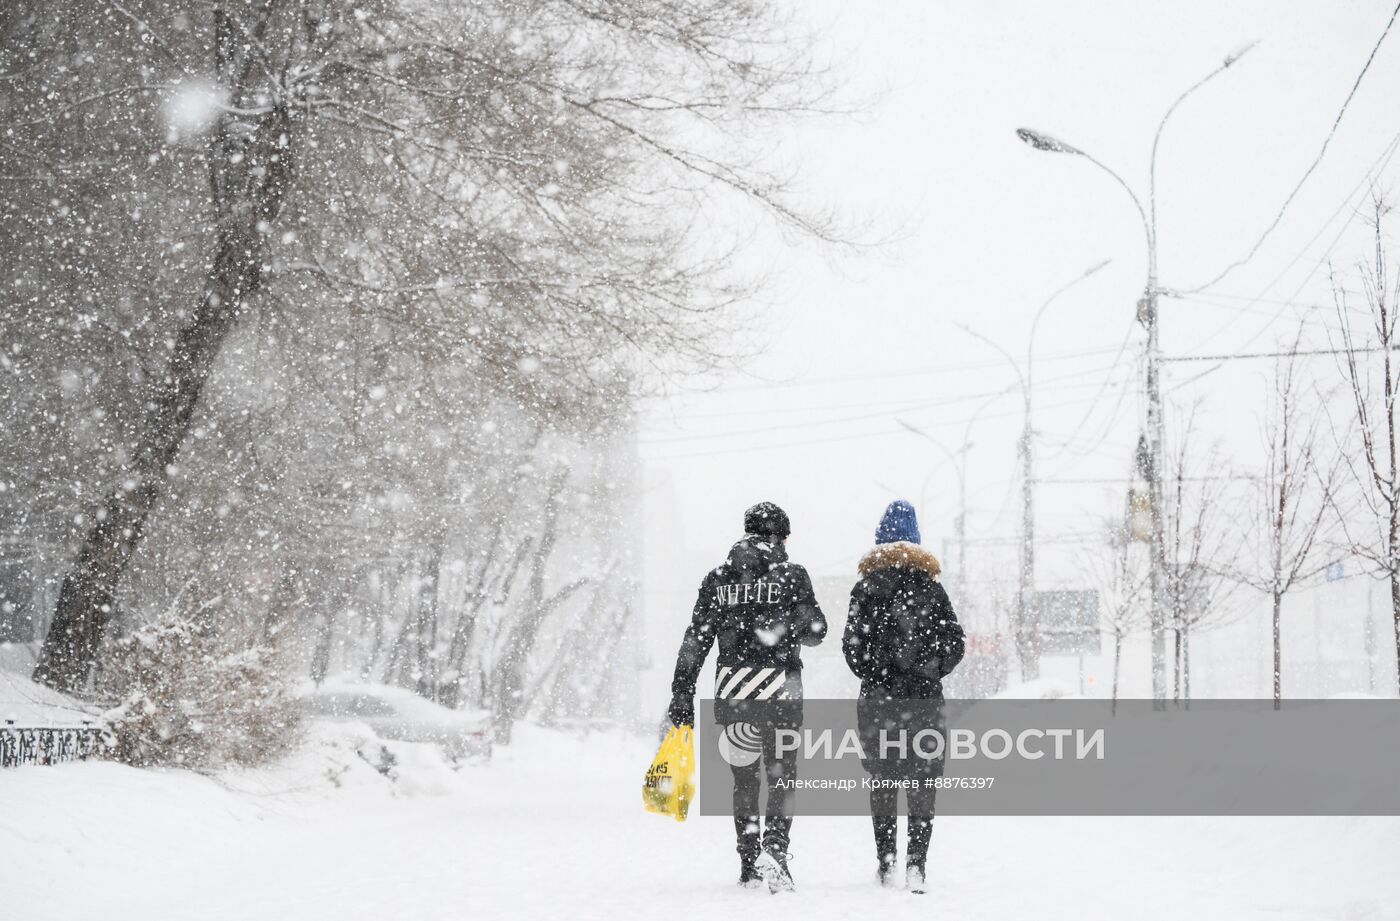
[
  {"x": 902, "y": 637},
  {"x": 761, "y": 610}
]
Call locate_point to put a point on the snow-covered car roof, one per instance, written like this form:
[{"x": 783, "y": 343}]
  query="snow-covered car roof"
[
  {"x": 31, "y": 704},
  {"x": 405, "y": 703}
]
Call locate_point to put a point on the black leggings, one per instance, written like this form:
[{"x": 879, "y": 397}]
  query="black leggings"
[{"x": 884, "y": 809}]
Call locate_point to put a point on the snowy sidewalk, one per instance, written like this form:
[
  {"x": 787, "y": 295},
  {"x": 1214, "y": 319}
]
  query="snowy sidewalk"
[{"x": 554, "y": 828}]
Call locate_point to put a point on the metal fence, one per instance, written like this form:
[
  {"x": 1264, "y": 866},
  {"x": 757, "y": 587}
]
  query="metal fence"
[{"x": 49, "y": 744}]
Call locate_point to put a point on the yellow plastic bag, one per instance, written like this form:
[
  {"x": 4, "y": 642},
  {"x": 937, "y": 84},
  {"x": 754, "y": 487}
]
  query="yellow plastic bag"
[{"x": 670, "y": 785}]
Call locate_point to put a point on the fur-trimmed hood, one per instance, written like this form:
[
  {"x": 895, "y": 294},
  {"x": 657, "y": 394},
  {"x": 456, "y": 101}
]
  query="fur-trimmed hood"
[{"x": 899, "y": 554}]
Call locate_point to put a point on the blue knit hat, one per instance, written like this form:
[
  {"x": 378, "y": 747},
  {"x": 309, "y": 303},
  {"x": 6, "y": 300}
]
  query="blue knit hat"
[{"x": 899, "y": 523}]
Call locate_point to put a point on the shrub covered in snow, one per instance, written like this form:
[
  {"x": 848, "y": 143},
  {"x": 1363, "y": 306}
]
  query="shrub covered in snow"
[{"x": 186, "y": 702}]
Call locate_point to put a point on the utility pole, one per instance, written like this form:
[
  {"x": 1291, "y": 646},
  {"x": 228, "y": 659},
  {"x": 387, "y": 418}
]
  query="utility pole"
[
  {"x": 1154, "y": 429},
  {"x": 1027, "y": 617},
  {"x": 1026, "y": 634},
  {"x": 1156, "y": 437}
]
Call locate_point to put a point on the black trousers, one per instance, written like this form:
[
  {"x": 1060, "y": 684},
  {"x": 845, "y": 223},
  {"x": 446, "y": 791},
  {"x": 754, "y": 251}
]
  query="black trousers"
[
  {"x": 776, "y": 828},
  {"x": 884, "y": 810}
]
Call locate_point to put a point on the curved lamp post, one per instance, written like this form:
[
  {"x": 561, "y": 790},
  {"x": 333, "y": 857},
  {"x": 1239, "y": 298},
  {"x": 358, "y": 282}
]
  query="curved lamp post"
[
  {"x": 1027, "y": 632},
  {"x": 1147, "y": 316}
]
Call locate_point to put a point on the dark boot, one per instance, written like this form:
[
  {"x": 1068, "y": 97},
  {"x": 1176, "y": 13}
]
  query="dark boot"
[
  {"x": 746, "y": 832},
  {"x": 920, "y": 832},
  {"x": 886, "y": 846}
]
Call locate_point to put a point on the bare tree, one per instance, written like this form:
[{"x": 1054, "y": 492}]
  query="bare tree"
[
  {"x": 1201, "y": 550},
  {"x": 1121, "y": 579},
  {"x": 1367, "y": 357},
  {"x": 1290, "y": 502}
]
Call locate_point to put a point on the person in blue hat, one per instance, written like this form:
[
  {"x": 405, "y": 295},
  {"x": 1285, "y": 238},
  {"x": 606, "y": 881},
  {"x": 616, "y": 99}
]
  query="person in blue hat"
[{"x": 902, "y": 638}]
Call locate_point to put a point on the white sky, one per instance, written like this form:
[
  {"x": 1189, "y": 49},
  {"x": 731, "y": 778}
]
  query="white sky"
[{"x": 994, "y": 227}]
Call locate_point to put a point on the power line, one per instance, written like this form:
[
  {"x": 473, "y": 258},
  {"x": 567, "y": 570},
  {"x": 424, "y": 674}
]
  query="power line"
[
  {"x": 1119, "y": 481},
  {"x": 1300, "y": 353},
  {"x": 1066, "y": 379},
  {"x": 1064, "y": 446},
  {"x": 1278, "y": 218},
  {"x": 1051, "y": 540},
  {"x": 1377, "y": 167},
  {"x": 781, "y": 445},
  {"x": 914, "y": 372},
  {"x": 781, "y": 410}
]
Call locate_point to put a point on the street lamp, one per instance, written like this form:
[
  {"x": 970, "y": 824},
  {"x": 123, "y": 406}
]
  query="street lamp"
[
  {"x": 959, "y": 461},
  {"x": 1027, "y": 633},
  {"x": 1051, "y": 144},
  {"x": 1035, "y": 323},
  {"x": 1147, "y": 316}
]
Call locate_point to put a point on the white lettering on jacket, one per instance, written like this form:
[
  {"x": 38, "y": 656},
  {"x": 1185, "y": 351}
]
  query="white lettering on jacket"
[{"x": 738, "y": 593}]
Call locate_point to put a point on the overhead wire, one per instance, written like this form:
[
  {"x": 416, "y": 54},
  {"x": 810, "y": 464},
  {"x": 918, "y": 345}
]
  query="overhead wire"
[
  {"x": 891, "y": 375},
  {"x": 1065, "y": 379},
  {"x": 1378, "y": 167},
  {"x": 1312, "y": 167},
  {"x": 783, "y": 445}
]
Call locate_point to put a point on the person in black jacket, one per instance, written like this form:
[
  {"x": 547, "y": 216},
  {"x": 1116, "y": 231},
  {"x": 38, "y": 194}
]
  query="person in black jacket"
[
  {"x": 761, "y": 611},
  {"x": 901, "y": 639}
]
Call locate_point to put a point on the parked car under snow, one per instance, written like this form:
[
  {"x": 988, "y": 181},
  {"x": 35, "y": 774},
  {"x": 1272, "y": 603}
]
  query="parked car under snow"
[{"x": 402, "y": 716}]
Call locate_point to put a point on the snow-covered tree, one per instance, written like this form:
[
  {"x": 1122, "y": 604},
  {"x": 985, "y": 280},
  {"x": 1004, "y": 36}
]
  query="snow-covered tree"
[{"x": 311, "y": 277}]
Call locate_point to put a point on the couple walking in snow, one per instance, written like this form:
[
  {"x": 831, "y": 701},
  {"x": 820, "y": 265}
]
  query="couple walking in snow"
[{"x": 901, "y": 638}]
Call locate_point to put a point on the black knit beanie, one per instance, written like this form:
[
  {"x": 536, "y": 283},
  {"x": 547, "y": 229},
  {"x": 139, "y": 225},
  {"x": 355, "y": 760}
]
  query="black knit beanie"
[{"x": 767, "y": 520}]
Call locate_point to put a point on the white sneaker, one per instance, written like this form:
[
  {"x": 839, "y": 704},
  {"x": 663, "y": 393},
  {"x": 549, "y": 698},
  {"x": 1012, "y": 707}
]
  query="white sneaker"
[
  {"x": 772, "y": 866},
  {"x": 914, "y": 880}
]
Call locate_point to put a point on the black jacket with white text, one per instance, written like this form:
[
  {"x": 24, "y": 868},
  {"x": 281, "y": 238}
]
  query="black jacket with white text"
[{"x": 761, "y": 610}]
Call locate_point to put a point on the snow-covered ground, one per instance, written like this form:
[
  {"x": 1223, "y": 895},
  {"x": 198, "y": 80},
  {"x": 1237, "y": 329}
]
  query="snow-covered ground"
[{"x": 553, "y": 827}]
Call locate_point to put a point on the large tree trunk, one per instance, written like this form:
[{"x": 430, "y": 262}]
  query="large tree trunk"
[
  {"x": 290, "y": 597},
  {"x": 429, "y": 593},
  {"x": 249, "y": 173},
  {"x": 325, "y": 636}
]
